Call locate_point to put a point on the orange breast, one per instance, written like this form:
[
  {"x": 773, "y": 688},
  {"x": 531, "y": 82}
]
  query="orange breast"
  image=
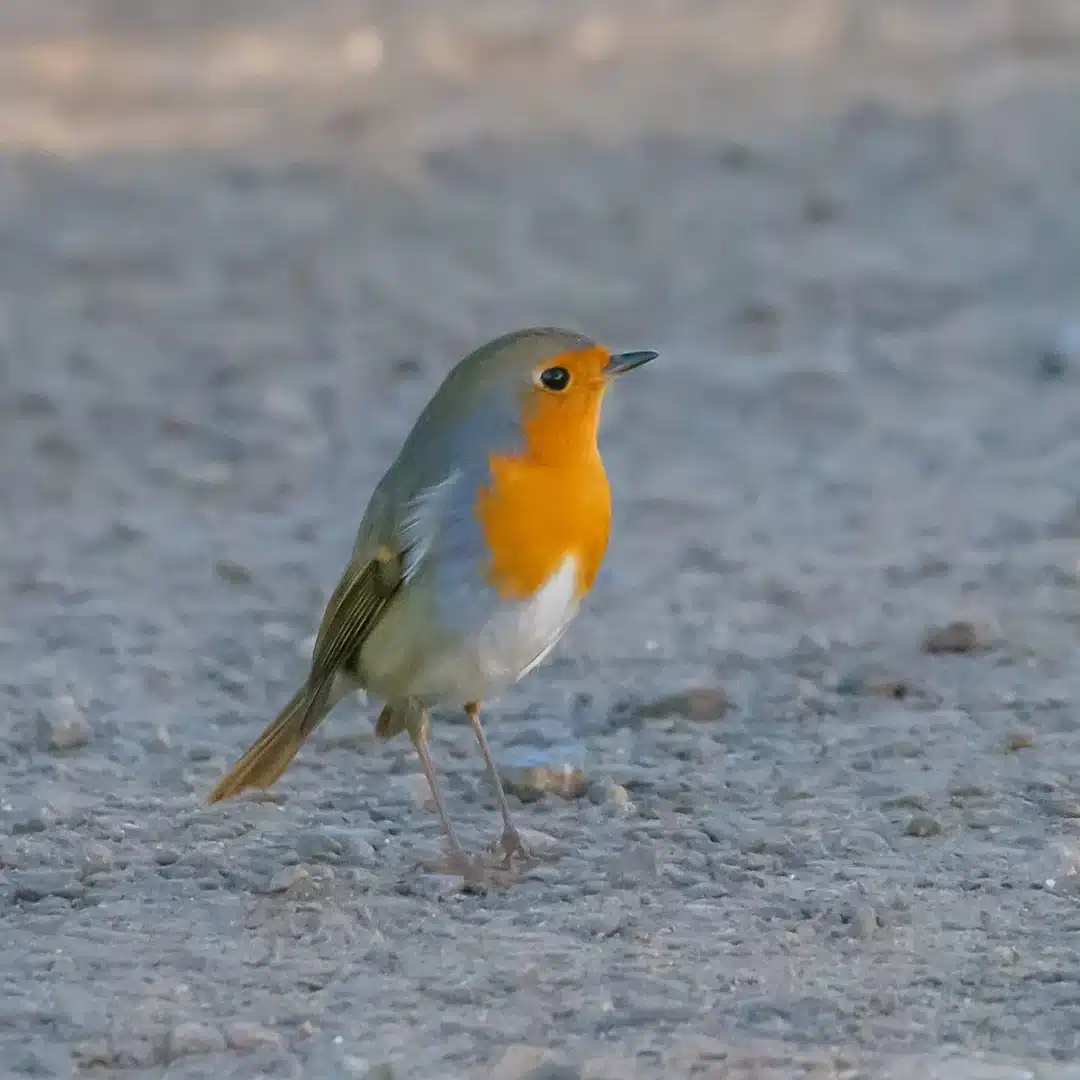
[{"x": 535, "y": 514}]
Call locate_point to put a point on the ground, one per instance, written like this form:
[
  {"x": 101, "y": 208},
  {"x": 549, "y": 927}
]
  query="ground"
[{"x": 814, "y": 829}]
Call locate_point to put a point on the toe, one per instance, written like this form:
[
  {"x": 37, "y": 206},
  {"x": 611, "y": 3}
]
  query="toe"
[{"x": 511, "y": 844}]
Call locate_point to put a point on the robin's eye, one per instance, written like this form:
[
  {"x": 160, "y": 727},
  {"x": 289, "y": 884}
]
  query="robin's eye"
[{"x": 555, "y": 378}]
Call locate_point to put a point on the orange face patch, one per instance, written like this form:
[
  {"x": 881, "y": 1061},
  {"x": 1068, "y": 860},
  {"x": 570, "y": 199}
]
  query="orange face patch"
[{"x": 551, "y": 500}]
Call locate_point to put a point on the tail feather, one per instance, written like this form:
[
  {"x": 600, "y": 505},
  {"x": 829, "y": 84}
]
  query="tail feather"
[{"x": 275, "y": 748}]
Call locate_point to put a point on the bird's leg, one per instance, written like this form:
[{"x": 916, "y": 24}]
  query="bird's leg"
[
  {"x": 510, "y": 842},
  {"x": 460, "y": 862}
]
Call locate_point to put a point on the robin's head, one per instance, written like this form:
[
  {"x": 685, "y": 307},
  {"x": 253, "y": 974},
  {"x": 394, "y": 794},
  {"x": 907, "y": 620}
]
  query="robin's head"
[{"x": 556, "y": 381}]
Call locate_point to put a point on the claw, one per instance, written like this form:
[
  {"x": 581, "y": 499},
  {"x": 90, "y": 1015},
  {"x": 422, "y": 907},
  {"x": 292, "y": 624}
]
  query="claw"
[{"x": 511, "y": 844}]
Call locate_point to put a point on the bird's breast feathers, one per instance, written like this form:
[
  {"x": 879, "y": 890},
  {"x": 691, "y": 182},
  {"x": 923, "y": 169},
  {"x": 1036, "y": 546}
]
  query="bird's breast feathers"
[{"x": 496, "y": 564}]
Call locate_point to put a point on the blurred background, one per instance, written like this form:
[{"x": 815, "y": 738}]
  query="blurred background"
[{"x": 241, "y": 241}]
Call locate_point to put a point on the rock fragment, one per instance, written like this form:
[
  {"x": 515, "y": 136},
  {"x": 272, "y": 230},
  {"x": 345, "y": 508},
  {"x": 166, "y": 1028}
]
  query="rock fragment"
[
  {"x": 702, "y": 704},
  {"x": 190, "y": 1038},
  {"x": 62, "y": 725},
  {"x": 532, "y": 772},
  {"x": 957, "y": 638}
]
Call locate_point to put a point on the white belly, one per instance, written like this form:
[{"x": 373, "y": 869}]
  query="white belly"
[{"x": 513, "y": 640}]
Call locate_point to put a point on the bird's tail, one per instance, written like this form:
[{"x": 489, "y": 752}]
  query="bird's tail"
[{"x": 271, "y": 753}]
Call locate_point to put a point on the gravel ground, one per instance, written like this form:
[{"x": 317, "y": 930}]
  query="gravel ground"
[{"x": 818, "y": 727}]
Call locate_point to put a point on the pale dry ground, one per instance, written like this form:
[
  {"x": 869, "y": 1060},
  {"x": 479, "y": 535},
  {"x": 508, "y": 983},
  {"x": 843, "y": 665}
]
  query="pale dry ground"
[{"x": 241, "y": 242}]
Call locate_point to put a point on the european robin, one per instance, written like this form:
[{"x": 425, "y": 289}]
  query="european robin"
[{"x": 472, "y": 558}]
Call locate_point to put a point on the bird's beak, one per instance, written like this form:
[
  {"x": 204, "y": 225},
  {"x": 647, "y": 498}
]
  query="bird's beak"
[{"x": 627, "y": 361}]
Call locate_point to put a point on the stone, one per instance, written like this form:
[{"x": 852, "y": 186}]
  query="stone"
[
  {"x": 32, "y": 815},
  {"x": 318, "y": 845},
  {"x": 246, "y": 1036},
  {"x": 234, "y": 573},
  {"x": 354, "y": 847},
  {"x": 97, "y": 858},
  {"x": 190, "y": 1038},
  {"x": 541, "y": 844},
  {"x": 1020, "y": 740},
  {"x": 287, "y": 878},
  {"x": 608, "y": 793},
  {"x": 874, "y": 683},
  {"x": 957, "y": 637},
  {"x": 38, "y": 884},
  {"x": 922, "y": 825},
  {"x": 964, "y": 792},
  {"x": 701, "y": 704},
  {"x": 62, "y": 725},
  {"x": 532, "y": 772}
]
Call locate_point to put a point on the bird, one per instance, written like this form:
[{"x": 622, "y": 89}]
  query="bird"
[{"x": 473, "y": 556}]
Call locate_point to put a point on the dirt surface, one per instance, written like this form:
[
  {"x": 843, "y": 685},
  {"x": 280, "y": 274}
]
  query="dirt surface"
[{"x": 239, "y": 246}]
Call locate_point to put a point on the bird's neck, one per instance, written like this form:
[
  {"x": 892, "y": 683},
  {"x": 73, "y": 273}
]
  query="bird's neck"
[{"x": 536, "y": 511}]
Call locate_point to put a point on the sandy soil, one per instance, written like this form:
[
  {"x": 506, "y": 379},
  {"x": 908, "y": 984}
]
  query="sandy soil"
[{"x": 239, "y": 249}]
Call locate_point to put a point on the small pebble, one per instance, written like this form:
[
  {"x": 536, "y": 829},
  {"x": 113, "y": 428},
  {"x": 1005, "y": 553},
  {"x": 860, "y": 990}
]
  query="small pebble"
[
  {"x": 958, "y": 637},
  {"x": 245, "y": 1036},
  {"x": 966, "y": 792},
  {"x": 315, "y": 845},
  {"x": 287, "y": 878},
  {"x": 355, "y": 848},
  {"x": 531, "y": 772},
  {"x": 922, "y": 825},
  {"x": 874, "y": 684},
  {"x": 193, "y": 1038},
  {"x": 1053, "y": 364},
  {"x": 701, "y": 704},
  {"x": 62, "y": 725},
  {"x": 333, "y": 845},
  {"x": 233, "y": 572},
  {"x": 33, "y": 816},
  {"x": 36, "y": 885},
  {"x": 608, "y": 793},
  {"x": 768, "y": 842},
  {"x": 96, "y": 859},
  {"x": 909, "y": 801},
  {"x": 539, "y": 843},
  {"x": 1060, "y": 806}
]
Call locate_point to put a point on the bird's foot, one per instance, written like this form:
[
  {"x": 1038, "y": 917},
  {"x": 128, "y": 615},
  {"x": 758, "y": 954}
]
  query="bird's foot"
[{"x": 509, "y": 845}]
